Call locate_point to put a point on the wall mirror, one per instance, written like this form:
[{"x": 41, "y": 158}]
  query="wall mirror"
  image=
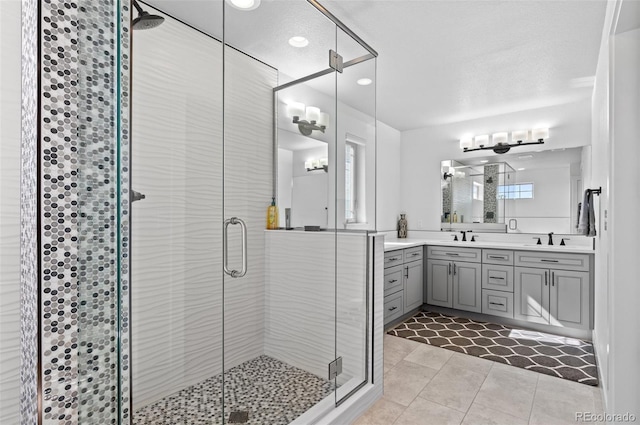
[{"x": 517, "y": 192}]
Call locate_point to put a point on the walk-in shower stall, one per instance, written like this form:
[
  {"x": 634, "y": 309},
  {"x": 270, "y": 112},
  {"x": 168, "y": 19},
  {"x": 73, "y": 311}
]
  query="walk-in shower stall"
[{"x": 162, "y": 297}]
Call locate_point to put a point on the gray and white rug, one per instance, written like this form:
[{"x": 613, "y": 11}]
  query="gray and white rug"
[{"x": 554, "y": 355}]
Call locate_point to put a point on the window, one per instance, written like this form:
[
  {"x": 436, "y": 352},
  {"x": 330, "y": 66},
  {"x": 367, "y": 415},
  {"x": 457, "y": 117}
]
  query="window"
[
  {"x": 350, "y": 189},
  {"x": 516, "y": 191},
  {"x": 478, "y": 191}
]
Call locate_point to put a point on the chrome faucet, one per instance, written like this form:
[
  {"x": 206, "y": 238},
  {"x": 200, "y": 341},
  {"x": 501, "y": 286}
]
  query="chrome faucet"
[{"x": 550, "y": 238}]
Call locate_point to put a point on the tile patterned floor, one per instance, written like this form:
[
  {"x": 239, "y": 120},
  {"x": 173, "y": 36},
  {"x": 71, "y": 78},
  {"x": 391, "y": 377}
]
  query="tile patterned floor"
[
  {"x": 424, "y": 384},
  {"x": 272, "y": 392}
]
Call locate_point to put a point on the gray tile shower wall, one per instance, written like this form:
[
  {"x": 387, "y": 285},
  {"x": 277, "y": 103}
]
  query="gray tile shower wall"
[
  {"x": 28, "y": 216},
  {"x": 491, "y": 175},
  {"x": 79, "y": 159}
]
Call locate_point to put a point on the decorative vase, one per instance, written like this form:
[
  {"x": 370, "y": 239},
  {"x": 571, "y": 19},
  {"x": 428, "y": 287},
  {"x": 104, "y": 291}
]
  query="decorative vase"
[{"x": 402, "y": 226}]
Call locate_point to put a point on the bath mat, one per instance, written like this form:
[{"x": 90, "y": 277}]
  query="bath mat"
[{"x": 554, "y": 355}]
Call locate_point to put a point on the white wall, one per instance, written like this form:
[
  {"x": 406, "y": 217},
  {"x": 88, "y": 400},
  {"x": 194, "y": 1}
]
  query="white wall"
[
  {"x": 10, "y": 86},
  {"x": 388, "y": 179},
  {"x": 624, "y": 346},
  {"x": 549, "y": 210},
  {"x": 424, "y": 148},
  {"x": 315, "y": 308},
  {"x": 285, "y": 183},
  {"x": 614, "y": 155},
  {"x": 310, "y": 190}
]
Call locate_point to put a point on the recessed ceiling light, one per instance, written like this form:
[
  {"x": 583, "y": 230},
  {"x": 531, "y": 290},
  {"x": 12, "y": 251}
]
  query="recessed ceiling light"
[
  {"x": 521, "y": 169},
  {"x": 364, "y": 81},
  {"x": 298, "y": 41},
  {"x": 244, "y": 4},
  {"x": 484, "y": 161}
]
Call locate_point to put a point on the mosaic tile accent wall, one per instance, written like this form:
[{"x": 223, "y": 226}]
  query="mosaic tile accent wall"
[
  {"x": 124, "y": 224},
  {"x": 28, "y": 213},
  {"x": 491, "y": 174},
  {"x": 79, "y": 247}
]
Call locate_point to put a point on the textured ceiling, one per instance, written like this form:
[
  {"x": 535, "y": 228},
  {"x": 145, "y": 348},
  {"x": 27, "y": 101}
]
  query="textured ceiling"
[{"x": 440, "y": 61}]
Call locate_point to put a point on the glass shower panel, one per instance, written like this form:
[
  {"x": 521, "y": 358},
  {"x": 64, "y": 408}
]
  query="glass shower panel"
[
  {"x": 279, "y": 286},
  {"x": 176, "y": 215},
  {"x": 356, "y": 207}
]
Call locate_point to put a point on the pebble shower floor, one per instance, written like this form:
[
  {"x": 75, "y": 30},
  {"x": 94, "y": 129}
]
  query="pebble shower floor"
[{"x": 272, "y": 392}]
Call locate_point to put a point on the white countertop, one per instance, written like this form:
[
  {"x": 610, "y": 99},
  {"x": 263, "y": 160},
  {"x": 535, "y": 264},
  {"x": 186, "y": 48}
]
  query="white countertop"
[{"x": 394, "y": 244}]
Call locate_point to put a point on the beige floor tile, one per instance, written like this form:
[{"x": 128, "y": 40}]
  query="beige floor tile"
[
  {"x": 598, "y": 400},
  {"x": 508, "y": 389},
  {"x": 383, "y": 412},
  {"x": 561, "y": 399},
  {"x": 402, "y": 345},
  {"x": 453, "y": 387},
  {"x": 392, "y": 357},
  {"x": 539, "y": 417},
  {"x": 404, "y": 382},
  {"x": 482, "y": 415},
  {"x": 430, "y": 356},
  {"x": 423, "y": 411},
  {"x": 473, "y": 363}
]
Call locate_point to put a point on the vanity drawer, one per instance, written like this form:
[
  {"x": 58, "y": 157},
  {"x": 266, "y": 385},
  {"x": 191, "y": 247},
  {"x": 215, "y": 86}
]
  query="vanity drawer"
[
  {"x": 471, "y": 255},
  {"x": 497, "y": 256},
  {"x": 392, "y": 258},
  {"x": 393, "y": 305},
  {"x": 497, "y": 303},
  {"x": 413, "y": 254},
  {"x": 499, "y": 278},
  {"x": 393, "y": 279},
  {"x": 552, "y": 260}
]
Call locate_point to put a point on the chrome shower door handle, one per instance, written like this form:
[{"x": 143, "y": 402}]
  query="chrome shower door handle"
[{"x": 243, "y": 227}]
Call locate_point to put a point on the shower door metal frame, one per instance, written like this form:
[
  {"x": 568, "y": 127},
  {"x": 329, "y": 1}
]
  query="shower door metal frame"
[{"x": 373, "y": 54}]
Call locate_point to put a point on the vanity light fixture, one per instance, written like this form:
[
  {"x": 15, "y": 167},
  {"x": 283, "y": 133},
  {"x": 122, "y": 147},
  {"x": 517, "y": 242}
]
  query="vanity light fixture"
[
  {"x": 317, "y": 164},
  {"x": 244, "y": 5},
  {"x": 499, "y": 142},
  {"x": 309, "y": 118},
  {"x": 298, "y": 41}
]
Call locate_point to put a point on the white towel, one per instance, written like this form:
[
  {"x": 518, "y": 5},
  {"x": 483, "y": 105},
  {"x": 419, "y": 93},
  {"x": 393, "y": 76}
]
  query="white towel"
[{"x": 587, "y": 223}]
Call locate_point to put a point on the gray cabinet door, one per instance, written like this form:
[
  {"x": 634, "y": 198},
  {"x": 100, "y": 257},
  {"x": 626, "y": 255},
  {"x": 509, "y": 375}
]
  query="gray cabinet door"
[
  {"x": 439, "y": 283},
  {"x": 412, "y": 285},
  {"x": 531, "y": 295},
  {"x": 569, "y": 299},
  {"x": 467, "y": 286}
]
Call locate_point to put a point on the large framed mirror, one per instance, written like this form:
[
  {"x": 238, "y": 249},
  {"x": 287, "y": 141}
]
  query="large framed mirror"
[{"x": 528, "y": 192}]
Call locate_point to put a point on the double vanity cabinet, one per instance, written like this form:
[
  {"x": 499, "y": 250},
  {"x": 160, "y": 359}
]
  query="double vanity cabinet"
[{"x": 537, "y": 286}]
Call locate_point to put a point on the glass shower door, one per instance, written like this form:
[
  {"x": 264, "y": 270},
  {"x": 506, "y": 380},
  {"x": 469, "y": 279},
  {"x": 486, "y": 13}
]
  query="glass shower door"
[
  {"x": 356, "y": 208},
  {"x": 279, "y": 287},
  {"x": 176, "y": 236}
]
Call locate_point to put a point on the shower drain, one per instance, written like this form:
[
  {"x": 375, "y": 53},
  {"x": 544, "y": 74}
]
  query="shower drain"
[{"x": 238, "y": 417}]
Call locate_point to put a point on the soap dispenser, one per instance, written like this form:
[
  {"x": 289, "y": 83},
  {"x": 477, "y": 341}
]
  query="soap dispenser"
[
  {"x": 455, "y": 216},
  {"x": 272, "y": 215}
]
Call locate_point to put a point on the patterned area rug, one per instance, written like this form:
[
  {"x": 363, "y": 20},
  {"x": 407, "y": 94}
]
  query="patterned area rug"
[{"x": 554, "y": 355}]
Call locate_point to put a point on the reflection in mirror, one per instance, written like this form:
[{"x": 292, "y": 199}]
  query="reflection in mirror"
[
  {"x": 542, "y": 196},
  {"x": 326, "y": 151},
  {"x": 471, "y": 195}
]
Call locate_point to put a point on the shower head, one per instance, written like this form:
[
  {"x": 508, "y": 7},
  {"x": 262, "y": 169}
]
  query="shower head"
[{"x": 145, "y": 20}]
